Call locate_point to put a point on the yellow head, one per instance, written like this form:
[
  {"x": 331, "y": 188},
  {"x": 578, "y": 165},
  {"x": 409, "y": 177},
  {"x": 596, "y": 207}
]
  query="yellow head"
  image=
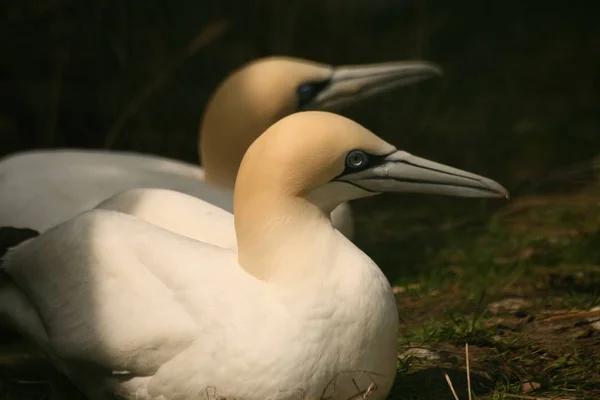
[{"x": 262, "y": 92}]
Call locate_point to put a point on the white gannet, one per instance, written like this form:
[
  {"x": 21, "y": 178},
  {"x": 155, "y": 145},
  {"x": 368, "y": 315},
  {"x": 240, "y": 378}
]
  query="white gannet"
[
  {"x": 39, "y": 189},
  {"x": 130, "y": 310}
]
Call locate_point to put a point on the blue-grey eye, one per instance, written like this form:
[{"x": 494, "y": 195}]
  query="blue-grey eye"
[
  {"x": 306, "y": 90},
  {"x": 357, "y": 159}
]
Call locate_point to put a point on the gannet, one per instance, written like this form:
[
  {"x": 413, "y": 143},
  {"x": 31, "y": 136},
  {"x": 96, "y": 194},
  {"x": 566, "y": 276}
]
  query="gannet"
[
  {"x": 41, "y": 188},
  {"x": 129, "y": 310}
]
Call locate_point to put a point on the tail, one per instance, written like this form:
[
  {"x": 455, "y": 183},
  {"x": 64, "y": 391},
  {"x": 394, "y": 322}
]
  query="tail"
[
  {"x": 16, "y": 312},
  {"x": 7, "y": 332}
]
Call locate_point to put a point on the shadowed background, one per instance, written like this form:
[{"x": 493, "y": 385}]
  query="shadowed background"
[{"x": 519, "y": 99}]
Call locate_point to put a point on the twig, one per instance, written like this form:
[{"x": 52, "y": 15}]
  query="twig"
[
  {"x": 285, "y": 15},
  {"x": 362, "y": 395},
  {"x": 422, "y": 29},
  {"x": 26, "y": 382},
  {"x": 520, "y": 396},
  {"x": 206, "y": 36},
  {"x": 370, "y": 390},
  {"x": 468, "y": 370},
  {"x": 581, "y": 314},
  {"x": 451, "y": 386},
  {"x": 60, "y": 61}
]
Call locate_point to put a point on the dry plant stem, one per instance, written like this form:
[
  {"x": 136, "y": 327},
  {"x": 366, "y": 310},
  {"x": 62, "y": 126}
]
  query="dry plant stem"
[
  {"x": 55, "y": 92},
  {"x": 449, "y": 381},
  {"x": 421, "y": 30},
  {"x": 367, "y": 393},
  {"x": 520, "y": 396},
  {"x": 205, "y": 37},
  {"x": 468, "y": 370},
  {"x": 583, "y": 314}
]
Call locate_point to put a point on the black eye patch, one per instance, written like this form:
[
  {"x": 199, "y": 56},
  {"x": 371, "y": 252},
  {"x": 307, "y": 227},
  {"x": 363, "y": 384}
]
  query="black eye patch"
[
  {"x": 307, "y": 92},
  {"x": 359, "y": 160}
]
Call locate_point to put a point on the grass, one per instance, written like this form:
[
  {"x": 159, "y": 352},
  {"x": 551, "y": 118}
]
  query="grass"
[{"x": 522, "y": 289}]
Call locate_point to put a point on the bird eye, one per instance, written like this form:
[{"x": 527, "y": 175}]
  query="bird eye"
[
  {"x": 308, "y": 91},
  {"x": 305, "y": 90},
  {"x": 356, "y": 159}
]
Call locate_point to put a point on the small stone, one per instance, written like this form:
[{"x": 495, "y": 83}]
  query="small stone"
[
  {"x": 530, "y": 386},
  {"x": 398, "y": 289},
  {"x": 595, "y": 321},
  {"x": 510, "y": 305},
  {"x": 418, "y": 352}
]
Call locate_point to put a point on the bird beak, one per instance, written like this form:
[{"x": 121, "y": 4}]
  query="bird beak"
[
  {"x": 350, "y": 84},
  {"x": 403, "y": 172}
]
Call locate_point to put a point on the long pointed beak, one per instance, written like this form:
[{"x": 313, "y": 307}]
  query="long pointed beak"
[
  {"x": 403, "y": 172},
  {"x": 349, "y": 84}
]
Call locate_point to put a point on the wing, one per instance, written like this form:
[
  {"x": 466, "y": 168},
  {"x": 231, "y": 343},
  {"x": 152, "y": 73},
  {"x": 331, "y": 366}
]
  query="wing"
[
  {"x": 41, "y": 189},
  {"x": 177, "y": 212},
  {"x": 118, "y": 293}
]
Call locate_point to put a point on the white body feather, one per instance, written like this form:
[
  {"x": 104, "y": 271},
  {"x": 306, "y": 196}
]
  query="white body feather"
[
  {"x": 40, "y": 189},
  {"x": 127, "y": 308}
]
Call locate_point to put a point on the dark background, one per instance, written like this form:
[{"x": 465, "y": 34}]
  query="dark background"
[{"x": 519, "y": 101}]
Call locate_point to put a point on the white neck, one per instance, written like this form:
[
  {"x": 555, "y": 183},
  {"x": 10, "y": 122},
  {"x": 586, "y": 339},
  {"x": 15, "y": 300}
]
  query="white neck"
[{"x": 283, "y": 239}]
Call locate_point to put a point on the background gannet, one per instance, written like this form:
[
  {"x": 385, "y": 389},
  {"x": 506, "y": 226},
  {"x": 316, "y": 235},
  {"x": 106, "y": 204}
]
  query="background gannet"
[
  {"x": 68, "y": 182},
  {"x": 129, "y": 309}
]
